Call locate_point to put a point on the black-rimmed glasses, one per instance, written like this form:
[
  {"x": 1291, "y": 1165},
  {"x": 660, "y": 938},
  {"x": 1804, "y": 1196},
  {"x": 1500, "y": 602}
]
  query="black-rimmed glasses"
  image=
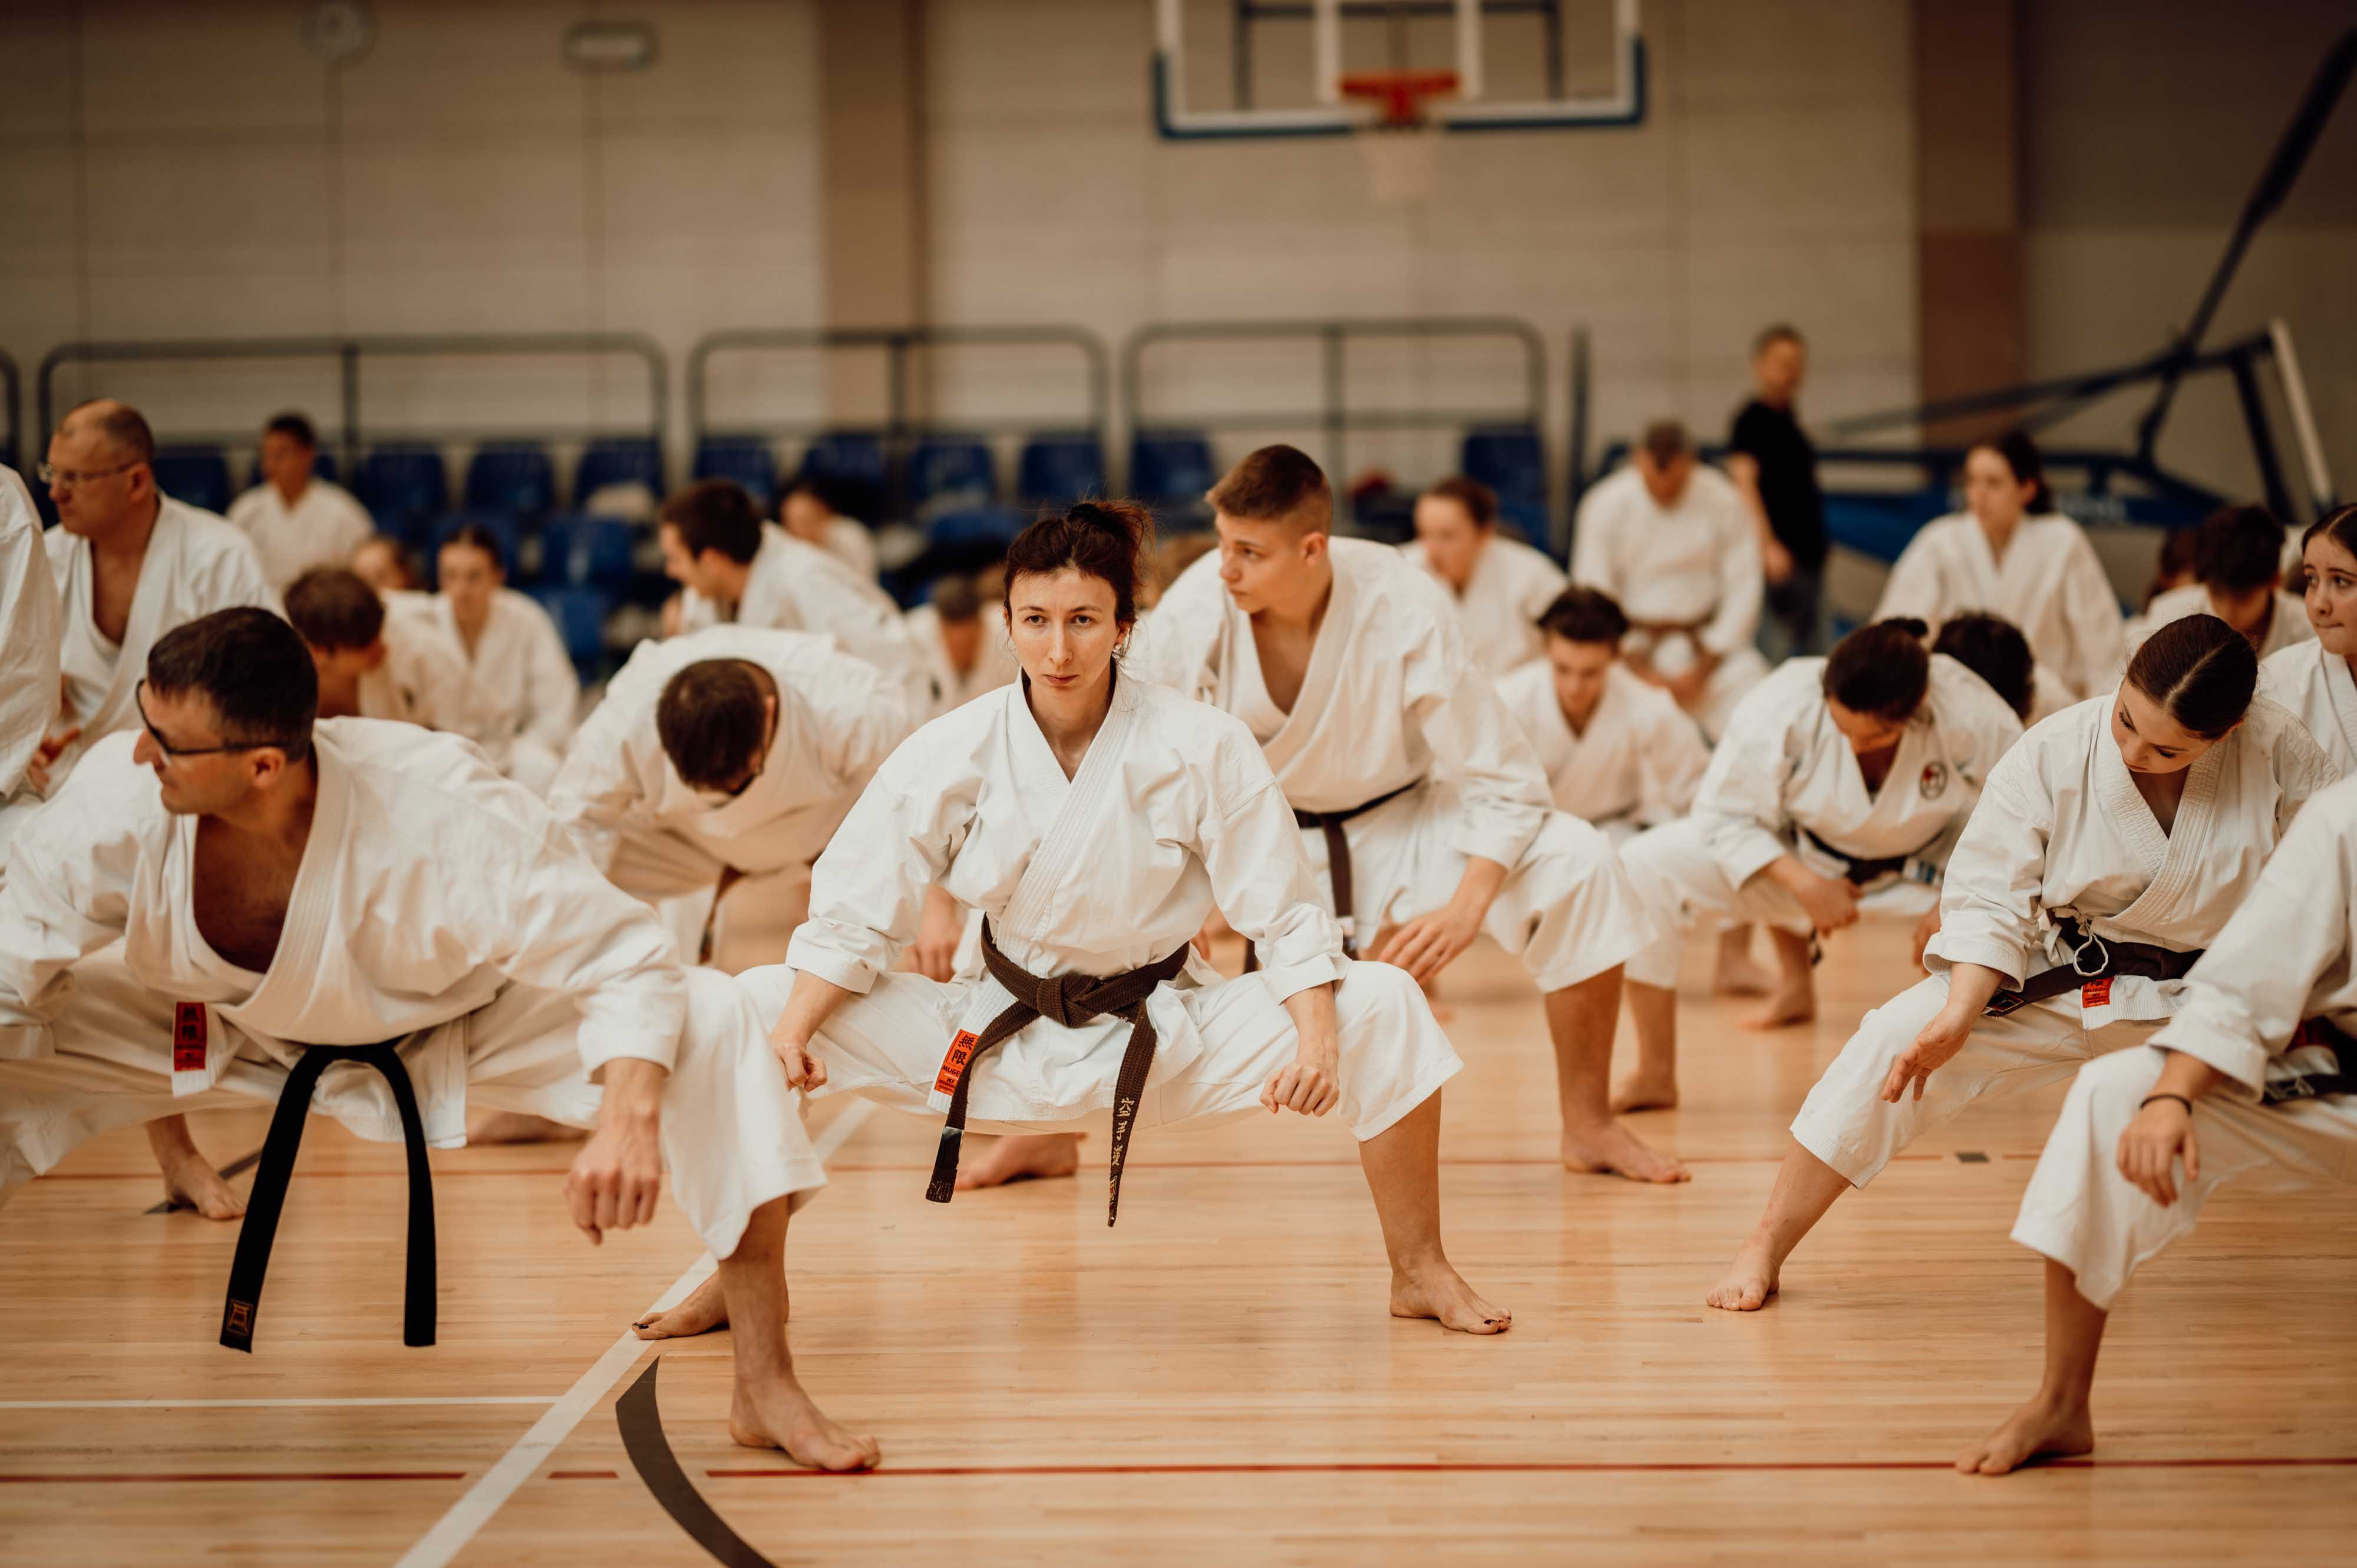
[{"x": 174, "y": 753}]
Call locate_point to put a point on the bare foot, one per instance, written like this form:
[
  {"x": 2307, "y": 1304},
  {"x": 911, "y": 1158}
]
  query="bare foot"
[
  {"x": 2038, "y": 1430},
  {"x": 190, "y": 1182},
  {"x": 1751, "y": 1281},
  {"x": 1023, "y": 1158},
  {"x": 705, "y": 1310},
  {"x": 519, "y": 1127},
  {"x": 1442, "y": 1295},
  {"x": 780, "y": 1416},
  {"x": 1645, "y": 1091},
  {"x": 1610, "y": 1146},
  {"x": 1734, "y": 974},
  {"x": 1787, "y": 1004}
]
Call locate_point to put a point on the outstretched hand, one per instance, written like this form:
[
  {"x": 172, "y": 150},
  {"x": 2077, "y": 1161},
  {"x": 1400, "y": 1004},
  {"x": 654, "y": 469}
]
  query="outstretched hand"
[{"x": 1940, "y": 1039}]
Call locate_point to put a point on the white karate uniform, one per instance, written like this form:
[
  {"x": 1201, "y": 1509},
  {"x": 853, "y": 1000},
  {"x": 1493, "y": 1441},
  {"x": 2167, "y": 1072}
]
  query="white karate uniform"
[
  {"x": 1784, "y": 772},
  {"x": 1695, "y": 565},
  {"x": 1499, "y": 609},
  {"x": 2050, "y": 584},
  {"x": 659, "y": 840},
  {"x": 521, "y": 668},
  {"x": 1171, "y": 813},
  {"x": 29, "y": 631},
  {"x": 196, "y": 563},
  {"x": 425, "y": 680},
  {"x": 2285, "y": 956},
  {"x": 1637, "y": 765},
  {"x": 2315, "y": 685},
  {"x": 323, "y": 528},
  {"x": 2286, "y": 620},
  {"x": 853, "y": 543},
  {"x": 437, "y": 905},
  {"x": 1393, "y": 700},
  {"x": 993, "y": 666},
  {"x": 797, "y": 587},
  {"x": 2060, "y": 829}
]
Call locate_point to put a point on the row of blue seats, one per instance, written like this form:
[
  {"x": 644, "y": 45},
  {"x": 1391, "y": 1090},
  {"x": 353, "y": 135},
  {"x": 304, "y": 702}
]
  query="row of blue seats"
[{"x": 404, "y": 483}]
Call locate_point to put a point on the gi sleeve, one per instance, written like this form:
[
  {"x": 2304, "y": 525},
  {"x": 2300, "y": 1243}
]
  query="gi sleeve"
[
  {"x": 566, "y": 929},
  {"x": 1991, "y": 902},
  {"x": 1591, "y": 542},
  {"x": 598, "y": 789},
  {"x": 231, "y": 577},
  {"x": 1740, "y": 804},
  {"x": 1261, "y": 881},
  {"x": 31, "y": 629},
  {"x": 2301, "y": 769},
  {"x": 1502, "y": 796},
  {"x": 2280, "y": 954},
  {"x": 71, "y": 865},
  {"x": 1913, "y": 589},
  {"x": 1743, "y": 580},
  {"x": 1671, "y": 762},
  {"x": 867, "y": 890}
]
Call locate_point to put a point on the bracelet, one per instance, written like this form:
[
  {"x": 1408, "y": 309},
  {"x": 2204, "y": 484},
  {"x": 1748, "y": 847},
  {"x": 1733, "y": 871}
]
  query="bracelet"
[{"x": 2178, "y": 1098}]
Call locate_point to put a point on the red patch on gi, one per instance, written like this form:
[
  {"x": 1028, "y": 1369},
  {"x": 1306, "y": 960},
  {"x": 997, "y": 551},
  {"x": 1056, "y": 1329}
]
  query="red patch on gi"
[
  {"x": 953, "y": 1064},
  {"x": 2096, "y": 993},
  {"x": 189, "y": 1036}
]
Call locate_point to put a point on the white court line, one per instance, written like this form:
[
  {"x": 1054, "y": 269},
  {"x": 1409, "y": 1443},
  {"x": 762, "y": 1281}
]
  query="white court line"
[
  {"x": 268, "y": 1404},
  {"x": 489, "y": 1495}
]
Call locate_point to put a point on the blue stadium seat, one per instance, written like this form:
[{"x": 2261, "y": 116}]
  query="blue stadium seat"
[
  {"x": 505, "y": 529},
  {"x": 580, "y": 617},
  {"x": 588, "y": 552},
  {"x": 1509, "y": 460},
  {"x": 1170, "y": 466},
  {"x": 197, "y": 476},
  {"x": 1060, "y": 467},
  {"x": 744, "y": 458},
  {"x": 617, "y": 460},
  {"x": 951, "y": 471},
  {"x": 402, "y": 486},
  {"x": 1529, "y": 519},
  {"x": 511, "y": 478},
  {"x": 991, "y": 528},
  {"x": 851, "y": 463}
]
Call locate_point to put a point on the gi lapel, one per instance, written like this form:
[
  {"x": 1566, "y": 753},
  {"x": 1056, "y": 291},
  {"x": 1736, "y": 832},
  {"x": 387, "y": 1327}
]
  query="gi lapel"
[
  {"x": 1312, "y": 706},
  {"x": 2341, "y": 688},
  {"x": 2173, "y": 856}
]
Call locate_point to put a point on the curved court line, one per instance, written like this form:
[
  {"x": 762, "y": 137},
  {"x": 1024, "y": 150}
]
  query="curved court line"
[
  {"x": 639, "y": 1419},
  {"x": 451, "y": 1532}
]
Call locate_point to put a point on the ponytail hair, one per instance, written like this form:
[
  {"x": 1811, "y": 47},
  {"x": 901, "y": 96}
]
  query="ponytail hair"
[
  {"x": 1881, "y": 669},
  {"x": 1107, "y": 540},
  {"x": 2200, "y": 670}
]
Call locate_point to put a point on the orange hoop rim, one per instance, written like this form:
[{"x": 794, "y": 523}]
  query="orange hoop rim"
[{"x": 1399, "y": 95}]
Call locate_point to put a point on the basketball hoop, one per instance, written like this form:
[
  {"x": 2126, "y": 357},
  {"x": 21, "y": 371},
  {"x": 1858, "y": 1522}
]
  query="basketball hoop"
[{"x": 1402, "y": 143}]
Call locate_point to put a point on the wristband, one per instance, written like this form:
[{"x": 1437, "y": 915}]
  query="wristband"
[{"x": 2178, "y": 1098}]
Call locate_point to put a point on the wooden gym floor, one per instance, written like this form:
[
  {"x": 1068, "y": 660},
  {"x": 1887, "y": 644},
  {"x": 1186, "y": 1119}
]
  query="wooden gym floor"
[{"x": 1215, "y": 1378}]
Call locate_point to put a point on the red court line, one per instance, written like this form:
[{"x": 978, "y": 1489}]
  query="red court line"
[
  {"x": 1537, "y": 1467},
  {"x": 124, "y": 1478},
  {"x": 583, "y": 1474}
]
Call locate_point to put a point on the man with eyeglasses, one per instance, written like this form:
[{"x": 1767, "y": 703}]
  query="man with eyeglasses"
[
  {"x": 28, "y": 631},
  {"x": 240, "y": 893},
  {"x": 130, "y": 563},
  {"x": 715, "y": 770}
]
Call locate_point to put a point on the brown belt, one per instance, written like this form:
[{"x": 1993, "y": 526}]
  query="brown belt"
[
  {"x": 2341, "y": 1080},
  {"x": 1663, "y": 628},
  {"x": 1070, "y": 1000},
  {"x": 1338, "y": 861}
]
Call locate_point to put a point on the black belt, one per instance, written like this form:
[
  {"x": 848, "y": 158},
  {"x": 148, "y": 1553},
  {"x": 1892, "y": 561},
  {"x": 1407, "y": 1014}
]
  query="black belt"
[
  {"x": 269, "y": 1196},
  {"x": 2343, "y": 1079},
  {"x": 2094, "y": 958},
  {"x": 1859, "y": 871},
  {"x": 1338, "y": 861},
  {"x": 1070, "y": 1000}
]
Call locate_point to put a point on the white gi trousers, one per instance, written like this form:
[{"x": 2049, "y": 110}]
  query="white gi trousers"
[
  {"x": 680, "y": 881},
  {"x": 732, "y": 1130},
  {"x": 2081, "y": 1212},
  {"x": 1847, "y": 1122},
  {"x": 1566, "y": 910},
  {"x": 889, "y": 1045}
]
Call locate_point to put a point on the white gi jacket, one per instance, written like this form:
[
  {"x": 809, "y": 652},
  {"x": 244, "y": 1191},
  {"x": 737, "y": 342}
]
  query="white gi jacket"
[
  {"x": 2316, "y": 686},
  {"x": 797, "y": 587},
  {"x": 520, "y": 664},
  {"x": 1511, "y": 587},
  {"x": 323, "y": 528},
  {"x": 29, "y": 631},
  {"x": 993, "y": 666},
  {"x": 2286, "y": 623},
  {"x": 1639, "y": 763},
  {"x": 2049, "y": 585},
  {"x": 1696, "y": 562}
]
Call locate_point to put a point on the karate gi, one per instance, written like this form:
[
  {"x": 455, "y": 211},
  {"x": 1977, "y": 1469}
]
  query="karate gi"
[
  {"x": 2284, "y": 957},
  {"x": 437, "y": 905},
  {"x": 323, "y": 528},
  {"x": 993, "y": 666},
  {"x": 425, "y": 680},
  {"x": 196, "y": 563},
  {"x": 2315, "y": 685},
  {"x": 29, "y": 631},
  {"x": 1499, "y": 609},
  {"x": 1636, "y": 766},
  {"x": 1392, "y": 700},
  {"x": 1785, "y": 772},
  {"x": 2061, "y": 830},
  {"x": 797, "y": 587},
  {"x": 2286, "y": 620},
  {"x": 853, "y": 543},
  {"x": 2050, "y": 584},
  {"x": 520, "y": 666},
  {"x": 1171, "y": 813},
  {"x": 662, "y": 840},
  {"x": 1687, "y": 575}
]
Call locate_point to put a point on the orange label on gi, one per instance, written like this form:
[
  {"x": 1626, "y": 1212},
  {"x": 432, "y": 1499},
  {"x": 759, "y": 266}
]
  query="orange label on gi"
[
  {"x": 2096, "y": 993},
  {"x": 187, "y": 1036},
  {"x": 953, "y": 1064}
]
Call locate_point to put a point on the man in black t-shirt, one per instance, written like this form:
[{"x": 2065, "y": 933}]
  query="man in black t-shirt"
[{"x": 1772, "y": 463}]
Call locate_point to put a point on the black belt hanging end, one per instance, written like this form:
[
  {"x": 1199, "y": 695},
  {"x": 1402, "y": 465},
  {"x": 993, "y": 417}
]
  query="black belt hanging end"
[{"x": 945, "y": 1164}]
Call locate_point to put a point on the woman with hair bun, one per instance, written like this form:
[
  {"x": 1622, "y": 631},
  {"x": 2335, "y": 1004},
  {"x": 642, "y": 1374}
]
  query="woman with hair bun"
[
  {"x": 2012, "y": 554},
  {"x": 2108, "y": 849},
  {"x": 1095, "y": 820}
]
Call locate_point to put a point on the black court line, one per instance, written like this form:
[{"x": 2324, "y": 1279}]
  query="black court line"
[
  {"x": 237, "y": 1166},
  {"x": 640, "y": 1420}
]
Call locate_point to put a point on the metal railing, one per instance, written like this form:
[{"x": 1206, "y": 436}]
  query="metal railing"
[{"x": 351, "y": 353}]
